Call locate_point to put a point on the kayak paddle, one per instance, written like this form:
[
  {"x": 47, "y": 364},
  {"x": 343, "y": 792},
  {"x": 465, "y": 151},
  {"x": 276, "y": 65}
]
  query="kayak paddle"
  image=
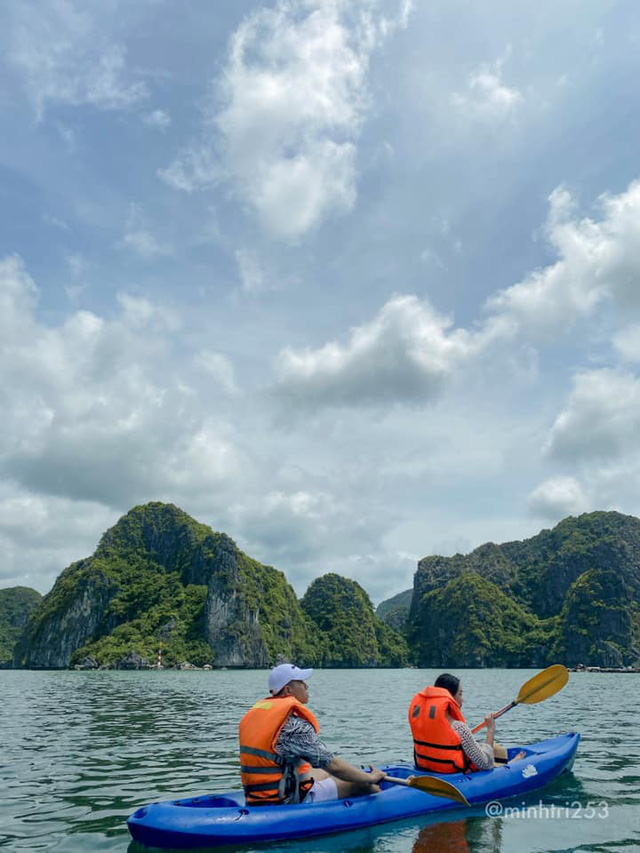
[
  {"x": 430, "y": 785},
  {"x": 536, "y": 689}
]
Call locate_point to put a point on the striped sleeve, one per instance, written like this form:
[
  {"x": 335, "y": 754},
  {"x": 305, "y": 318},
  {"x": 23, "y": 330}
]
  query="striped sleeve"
[
  {"x": 298, "y": 740},
  {"x": 480, "y": 753}
]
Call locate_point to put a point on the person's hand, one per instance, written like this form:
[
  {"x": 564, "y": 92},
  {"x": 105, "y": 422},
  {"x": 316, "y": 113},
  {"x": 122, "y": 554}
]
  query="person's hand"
[
  {"x": 490, "y": 723},
  {"x": 375, "y": 775}
]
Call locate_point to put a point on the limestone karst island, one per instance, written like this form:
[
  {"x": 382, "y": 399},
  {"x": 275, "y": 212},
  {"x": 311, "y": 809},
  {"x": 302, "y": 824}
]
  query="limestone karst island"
[{"x": 164, "y": 589}]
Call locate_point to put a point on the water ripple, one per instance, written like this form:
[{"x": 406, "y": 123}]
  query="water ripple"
[{"x": 81, "y": 750}]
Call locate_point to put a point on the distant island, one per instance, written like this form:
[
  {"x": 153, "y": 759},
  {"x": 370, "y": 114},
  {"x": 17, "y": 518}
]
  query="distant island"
[
  {"x": 160, "y": 582},
  {"x": 16, "y": 605},
  {"x": 162, "y": 587},
  {"x": 568, "y": 595}
]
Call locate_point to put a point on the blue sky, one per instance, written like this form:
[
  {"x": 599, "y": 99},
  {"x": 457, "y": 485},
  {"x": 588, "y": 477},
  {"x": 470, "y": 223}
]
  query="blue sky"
[{"x": 353, "y": 281}]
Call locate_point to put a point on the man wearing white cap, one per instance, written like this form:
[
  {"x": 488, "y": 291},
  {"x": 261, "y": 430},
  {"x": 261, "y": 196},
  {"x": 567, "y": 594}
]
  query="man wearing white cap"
[{"x": 283, "y": 760}]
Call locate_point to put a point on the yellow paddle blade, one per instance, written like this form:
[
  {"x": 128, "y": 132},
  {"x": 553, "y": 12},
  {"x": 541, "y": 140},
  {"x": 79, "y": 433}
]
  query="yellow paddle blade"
[
  {"x": 438, "y": 787},
  {"x": 543, "y": 685}
]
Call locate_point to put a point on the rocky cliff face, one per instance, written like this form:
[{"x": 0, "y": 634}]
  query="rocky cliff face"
[
  {"x": 16, "y": 604},
  {"x": 568, "y": 594},
  {"x": 158, "y": 575},
  {"x": 596, "y": 622},
  {"x": 232, "y": 625},
  {"x": 55, "y": 632}
]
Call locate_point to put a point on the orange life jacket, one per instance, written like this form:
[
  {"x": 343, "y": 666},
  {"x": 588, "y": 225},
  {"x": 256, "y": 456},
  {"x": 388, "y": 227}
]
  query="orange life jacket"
[
  {"x": 265, "y": 779},
  {"x": 436, "y": 746}
]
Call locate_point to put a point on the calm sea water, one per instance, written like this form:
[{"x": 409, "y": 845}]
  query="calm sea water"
[{"x": 79, "y": 751}]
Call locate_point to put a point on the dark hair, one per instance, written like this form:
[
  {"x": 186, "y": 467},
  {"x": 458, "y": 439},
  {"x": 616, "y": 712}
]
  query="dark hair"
[{"x": 449, "y": 682}]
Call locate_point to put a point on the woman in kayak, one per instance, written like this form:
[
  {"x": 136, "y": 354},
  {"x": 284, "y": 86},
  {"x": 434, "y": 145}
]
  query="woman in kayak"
[{"x": 442, "y": 740}]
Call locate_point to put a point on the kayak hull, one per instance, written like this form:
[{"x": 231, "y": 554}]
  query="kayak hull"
[{"x": 216, "y": 819}]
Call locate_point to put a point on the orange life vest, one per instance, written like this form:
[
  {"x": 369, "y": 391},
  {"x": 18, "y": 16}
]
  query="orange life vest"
[
  {"x": 265, "y": 779},
  {"x": 436, "y": 746}
]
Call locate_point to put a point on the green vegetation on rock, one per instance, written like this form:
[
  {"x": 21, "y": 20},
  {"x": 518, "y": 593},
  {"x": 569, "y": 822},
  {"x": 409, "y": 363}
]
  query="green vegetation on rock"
[
  {"x": 470, "y": 622},
  {"x": 159, "y": 578},
  {"x": 347, "y": 629},
  {"x": 16, "y": 604},
  {"x": 159, "y": 575},
  {"x": 395, "y": 611},
  {"x": 596, "y": 621},
  {"x": 569, "y": 594}
]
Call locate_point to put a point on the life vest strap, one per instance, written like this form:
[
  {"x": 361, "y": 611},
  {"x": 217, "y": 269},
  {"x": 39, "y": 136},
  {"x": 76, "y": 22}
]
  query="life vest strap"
[
  {"x": 437, "y": 745},
  {"x": 259, "y": 753},
  {"x": 265, "y": 786},
  {"x": 260, "y": 771},
  {"x": 437, "y": 760}
]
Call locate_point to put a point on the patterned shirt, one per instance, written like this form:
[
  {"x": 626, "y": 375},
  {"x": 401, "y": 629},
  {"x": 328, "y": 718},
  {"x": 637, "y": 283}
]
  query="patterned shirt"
[
  {"x": 480, "y": 753},
  {"x": 298, "y": 739}
]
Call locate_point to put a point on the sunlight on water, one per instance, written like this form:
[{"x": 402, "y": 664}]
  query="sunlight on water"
[{"x": 81, "y": 750}]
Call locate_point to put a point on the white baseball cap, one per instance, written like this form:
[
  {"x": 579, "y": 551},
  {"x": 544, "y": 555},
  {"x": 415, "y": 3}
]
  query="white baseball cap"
[{"x": 281, "y": 675}]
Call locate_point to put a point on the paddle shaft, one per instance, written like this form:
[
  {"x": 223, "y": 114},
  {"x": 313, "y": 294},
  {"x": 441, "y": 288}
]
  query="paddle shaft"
[
  {"x": 495, "y": 716},
  {"x": 536, "y": 689},
  {"x": 395, "y": 781}
]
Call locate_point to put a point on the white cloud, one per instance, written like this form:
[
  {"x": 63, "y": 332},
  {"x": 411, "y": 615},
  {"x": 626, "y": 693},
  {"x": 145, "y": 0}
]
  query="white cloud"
[
  {"x": 252, "y": 276},
  {"x": 101, "y": 414},
  {"x": 138, "y": 313},
  {"x": 558, "y": 497},
  {"x": 158, "y": 119},
  {"x": 94, "y": 410},
  {"x": 408, "y": 353},
  {"x": 599, "y": 261},
  {"x": 487, "y": 97},
  {"x": 320, "y": 530},
  {"x": 64, "y": 56},
  {"x": 218, "y": 366},
  {"x": 597, "y": 437},
  {"x": 77, "y": 264},
  {"x": 139, "y": 238},
  {"x": 601, "y": 420},
  {"x": 39, "y": 536},
  {"x": 198, "y": 168},
  {"x": 293, "y": 99},
  {"x": 627, "y": 342},
  {"x": 405, "y": 354}
]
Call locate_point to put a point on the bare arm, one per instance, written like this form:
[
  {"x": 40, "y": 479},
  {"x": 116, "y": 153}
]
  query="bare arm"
[
  {"x": 490, "y": 723},
  {"x": 347, "y": 772}
]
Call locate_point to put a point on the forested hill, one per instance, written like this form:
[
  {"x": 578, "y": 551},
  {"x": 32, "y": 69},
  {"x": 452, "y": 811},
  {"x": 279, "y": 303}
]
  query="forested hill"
[
  {"x": 570, "y": 594},
  {"x": 160, "y": 577},
  {"x": 395, "y": 611},
  {"x": 16, "y": 603}
]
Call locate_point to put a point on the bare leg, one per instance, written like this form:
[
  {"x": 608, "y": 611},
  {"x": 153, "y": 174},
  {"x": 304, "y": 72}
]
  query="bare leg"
[
  {"x": 355, "y": 789},
  {"x": 346, "y": 789}
]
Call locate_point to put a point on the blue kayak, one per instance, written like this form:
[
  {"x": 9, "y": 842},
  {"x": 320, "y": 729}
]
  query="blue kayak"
[{"x": 215, "y": 819}]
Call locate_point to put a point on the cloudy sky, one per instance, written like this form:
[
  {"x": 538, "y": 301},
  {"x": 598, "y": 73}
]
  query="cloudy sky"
[{"x": 354, "y": 281}]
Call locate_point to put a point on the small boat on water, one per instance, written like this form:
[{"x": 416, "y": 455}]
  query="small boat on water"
[{"x": 215, "y": 819}]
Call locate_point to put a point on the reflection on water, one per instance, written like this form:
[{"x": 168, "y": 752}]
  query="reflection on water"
[
  {"x": 460, "y": 836},
  {"x": 443, "y": 837},
  {"x": 79, "y": 751}
]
